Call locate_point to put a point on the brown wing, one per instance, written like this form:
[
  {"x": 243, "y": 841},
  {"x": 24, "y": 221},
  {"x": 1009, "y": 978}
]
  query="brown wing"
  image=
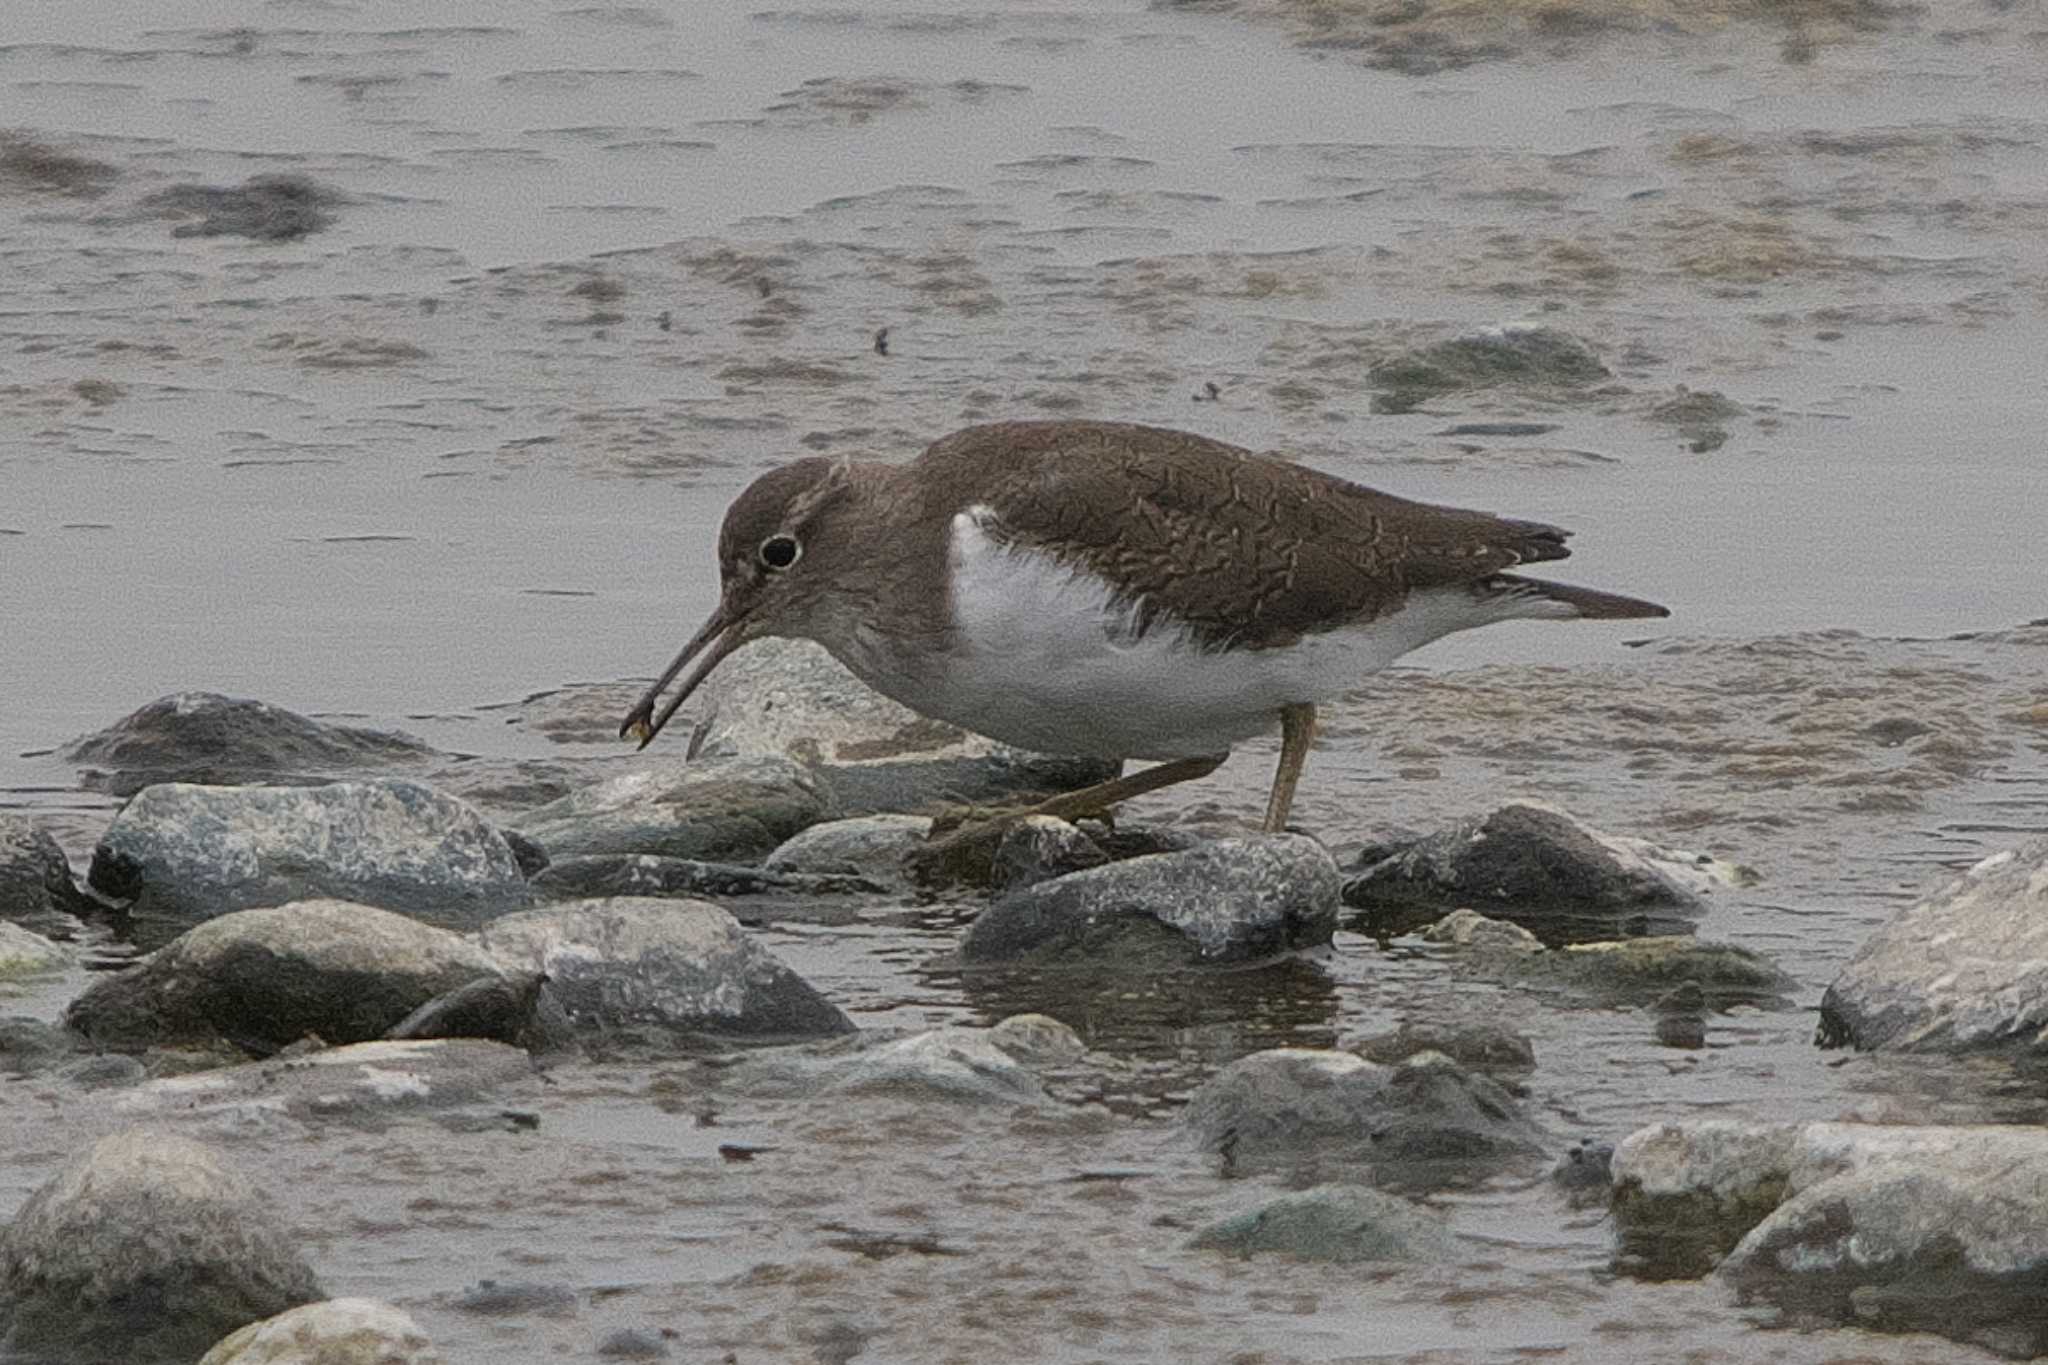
[{"x": 1238, "y": 548}]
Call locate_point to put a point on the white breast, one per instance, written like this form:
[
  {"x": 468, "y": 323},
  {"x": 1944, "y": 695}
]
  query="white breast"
[{"x": 1047, "y": 659}]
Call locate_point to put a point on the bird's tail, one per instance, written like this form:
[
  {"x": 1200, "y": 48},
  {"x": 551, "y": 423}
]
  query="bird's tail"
[{"x": 1585, "y": 603}]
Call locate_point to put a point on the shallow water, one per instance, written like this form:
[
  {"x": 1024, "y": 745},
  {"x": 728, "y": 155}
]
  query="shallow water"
[{"x": 598, "y": 265}]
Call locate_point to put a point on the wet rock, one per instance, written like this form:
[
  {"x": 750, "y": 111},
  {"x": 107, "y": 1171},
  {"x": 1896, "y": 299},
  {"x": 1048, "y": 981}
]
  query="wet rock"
[
  {"x": 1699, "y": 417},
  {"x": 1531, "y": 865},
  {"x": 30, "y": 165},
  {"x": 1490, "y": 1049},
  {"x": 1682, "y": 1016},
  {"x": 791, "y": 699},
  {"x": 1685, "y": 1193},
  {"x": 106, "y": 1070},
  {"x": 1470, "y": 929},
  {"x": 267, "y": 208},
  {"x": 998, "y": 1065},
  {"x": 644, "y": 967},
  {"x": 208, "y": 739},
  {"x": 1649, "y": 969},
  {"x": 516, "y": 1008},
  {"x": 1585, "y": 1173},
  {"x": 1335, "y": 1223},
  {"x": 1956, "y": 971},
  {"x": 144, "y": 1248},
  {"x": 361, "y": 1084},
  {"x": 262, "y": 979},
  {"x": 641, "y": 874},
  {"x": 330, "y": 1332},
  {"x": 184, "y": 854},
  {"x": 1228, "y": 902},
  {"x": 36, "y": 890},
  {"x": 516, "y": 1298},
  {"x": 633, "y": 1343},
  {"x": 1039, "y": 848},
  {"x": 730, "y": 810},
  {"x": 1426, "y": 1120},
  {"x": 869, "y": 846},
  {"x": 30, "y": 1045},
  {"x": 1531, "y": 356},
  {"x": 23, "y": 953},
  {"x": 1910, "y": 1230}
]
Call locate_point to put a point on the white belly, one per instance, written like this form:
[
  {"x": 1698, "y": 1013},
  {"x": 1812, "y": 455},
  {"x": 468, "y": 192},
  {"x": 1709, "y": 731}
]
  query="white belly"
[{"x": 1046, "y": 659}]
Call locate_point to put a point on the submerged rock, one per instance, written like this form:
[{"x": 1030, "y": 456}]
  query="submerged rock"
[
  {"x": 361, "y": 1084},
  {"x": 36, "y": 890},
  {"x": 1039, "y": 848},
  {"x": 267, "y": 208},
  {"x": 516, "y": 1008},
  {"x": 641, "y": 966},
  {"x": 643, "y": 874},
  {"x": 1958, "y": 970},
  {"x": 1425, "y": 1120},
  {"x": 1336, "y": 1223},
  {"x": 1229, "y": 902},
  {"x": 208, "y": 739},
  {"x": 261, "y": 979},
  {"x": 1533, "y": 356},
  {"x": 330, "y": 1332},
  {"x": 1685, "y": 1193},
  {"x": 723, "y": 811},
  {"x": 25, "y": 953},
  {"x": 868, "y": 846},
  {"x": 1493, "y": 1049},
  {"x": 997, "y": 1065},
  {"x": 145, "y": 1248},
  {"x": 183, "y": 854},
  {"x": 1530, "y": 865},
  {"x": 868, "y": 754}
]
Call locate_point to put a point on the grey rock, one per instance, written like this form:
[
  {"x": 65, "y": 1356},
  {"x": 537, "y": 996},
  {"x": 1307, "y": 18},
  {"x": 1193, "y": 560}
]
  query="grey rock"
[
  {"x": 29, "y": 1045},
  {"x": 36, "y": 890},
  {"x": 329, "y": 1332},
  {"x": 791, "y": 699},
  {"x": 1517, "y": 354},
  {"x": 1426, "y": 1120},
  {"x": 1470, "y": 929},
  {"x": 267, "y": 208},
  {"x": 362, "y": 1084},
  {"x": 184, "y": 854},
  {"x": 1039, "y": 848},
  {"x": 1335, "y": 1223},
  {"x": 1647, "y": 969},
  {"x": 1228, "y": 902},
  {"x": 1685, "y": 1193},
  {"x": 998, "y": 1065},
  {"x": 1585, "y": 1172},
  {"x": 516, "y": 1298},
  {"x": 1909, "y": 1229},
  {"x": 102, "y": 1071},
  {"x": 728, "y": 810},
  {"x": 868, "y": 846},
  {"x": 1959, "y": 970},
  {"x": 145, "y": 1248},
  {"x": 634, "y": 1343},
  {"x": 264, "y": 978},
  {"x": 636, "y": 965},
  {"x": 1530, "y": 865},
  {"x": 205, "y": 738},
  {"x": 1493, "y": 1049},
  {"x": 24, "y": 953},
  {"x": 643, "y": 874},
  {"x": 516, "y": 1008}
]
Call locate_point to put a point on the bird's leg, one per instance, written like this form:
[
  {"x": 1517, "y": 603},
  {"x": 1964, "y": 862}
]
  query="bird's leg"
[
  {"x": 966, "y": 852},
  {"x": 1297, "y": 732}
]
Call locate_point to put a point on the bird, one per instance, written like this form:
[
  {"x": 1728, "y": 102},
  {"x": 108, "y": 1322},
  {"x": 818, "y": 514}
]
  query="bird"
[{"x": 1112, "y": 589}]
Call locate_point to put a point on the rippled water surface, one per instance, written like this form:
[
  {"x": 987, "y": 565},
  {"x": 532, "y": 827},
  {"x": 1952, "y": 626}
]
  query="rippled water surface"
[{"x": 589, "y": 268}]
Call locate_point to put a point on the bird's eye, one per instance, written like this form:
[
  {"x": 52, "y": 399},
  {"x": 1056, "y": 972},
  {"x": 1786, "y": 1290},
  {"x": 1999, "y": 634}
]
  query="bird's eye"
[{"x": 779, "y": 552}]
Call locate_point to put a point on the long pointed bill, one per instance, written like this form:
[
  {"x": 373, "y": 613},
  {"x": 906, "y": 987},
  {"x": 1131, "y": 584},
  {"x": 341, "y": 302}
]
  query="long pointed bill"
[{"x": 720, "y": 636}]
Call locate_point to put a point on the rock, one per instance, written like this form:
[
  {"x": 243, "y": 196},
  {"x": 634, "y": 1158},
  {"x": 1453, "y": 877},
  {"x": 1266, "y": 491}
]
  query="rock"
[
  {"x": 260, "y": 979},
  {"x": 1426, "y": 1120},
  {"x": 1585, "y": 1173},
  {"x": 205, "y": 738},
  {"x": 634, "y": 1343},
  {"x": 184, "y": 854},
  {"x": 267, "y": 208},
  {"x": 998, "y": 1065},
  {"x": 29, "y": 1045},
  {"x": 642, "y": 874},
  {"x": 36, "y": 890},
  {"x": 1909, "y": 1230},
  {"x": 645, "y": 966},
  {"x": 1644, "y": 969},
  {"x": 360, "y": 1084},
  {"x": 1336, "y": 1223},
  {"x": 868, "y": 846},
  {"x": 1681, "y": 1016},
  {"x": 1530, "y": 865},
  {"x": 1492, "y": 1049},
  {"x": 1517, "y": 354},
  {"x": 330, "y": 1332},
  {"x": 516, "y": 1298},
  {"x": 23, "y": 953},
  {"x": 728, "y": 810},
  {"x": 103, "y": 1071},
  {"x": 1686, "y": 1193},
  {"x": 1958, "y": 970},
  {"x": 791, "y": 699},
  {"x": 145, "y": 1247},
  {"x": 1039, "y": 848},
  {"x": 1470, "y": 929},
  {"x": 518, "y": 1009},
  {"x": 1228, "y": 902}
]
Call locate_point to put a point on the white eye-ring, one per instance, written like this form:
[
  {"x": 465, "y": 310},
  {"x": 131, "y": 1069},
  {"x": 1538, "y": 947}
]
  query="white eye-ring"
[{"x": 778, "y": 552}]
